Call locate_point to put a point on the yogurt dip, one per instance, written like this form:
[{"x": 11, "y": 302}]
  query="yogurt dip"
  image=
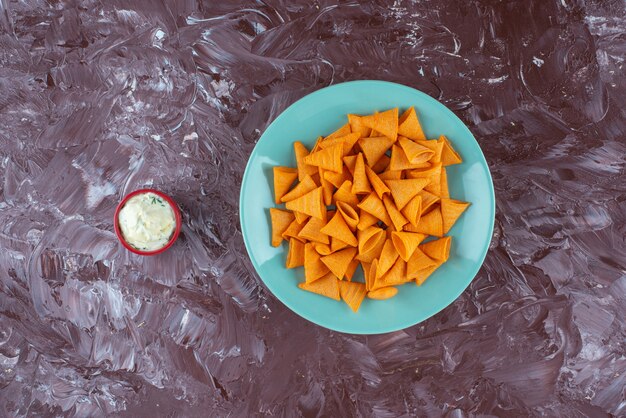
[{"x": 147, "y": 222}]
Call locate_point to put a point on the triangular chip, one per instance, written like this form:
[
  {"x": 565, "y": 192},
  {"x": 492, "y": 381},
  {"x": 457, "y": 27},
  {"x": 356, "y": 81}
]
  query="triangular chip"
[
  {"x": 350, "y": 162},
  {"x": 281, "y": 220},
  {"x": 322, "y": 249},
  {"x": 326, "y": 286},
  {"x": 310, "y": 204},
  {"x": 366, "y": 220},
  {"x": 313, "y": 266},
  {"x": 357, "y": 126},
  {"x": 349, "y": 214},
  {"x": 383, "y": 293},
  {"x": 413, "y": 210},
  {"x": 379, "y": 186},
  {"x": 374, "y": 206},
  {"x": 450, "y": 212},
  {"x": 294, "y": 228},
  {"x": 415, "y": 153},
  {"x": 397, "y": 218},
  {"x": 375, "y": 148},
  {"x": 428, "y": 199},
  {"x": 338, "y": 228},
  {"x": 301, "y": 218},
  {"x": 409, "y": 125},
  {"x": 371, "y": 243},
  {"x": 382, "y": 164},
  {"x": 344, "y": 194},
  {"x": 417, "y": 262},
  {"x": 337, "y": 179},
  {"x": 406, "y": 243},
  {"x": 352, "y": 293},
  {"x": 295, "y": 256},
  {"x": 433, "y": 174},
  {"x": 306, "y": 185},
  {"x": 390, "y": 175},
  {"x": 354, "y": 264},
  {"x": 444, "y": 193},
  {"x": 405, "y": 190},
  {"x": 336, "y": 244},
  {"x": 384, "y": 122},
  {"x": 399, "y": 160},
  {"x": 346, "y": 141},
  {"x": 283, "y": 179},
  {"x": 438, "y": 250},
  {"x": 360, "y": 185},
  {"x": 448, "y": 155},
  {"x": 436, "y": 146},
  {"x": 338, "y": 262},
  {"x": 370, "y": 273},
  {"x": 312, "y": 231},
  {"x": 429, "y": 224},
  {"x": 388, "y": 257},
  {"x": 327, "y": 188},
  {"x": 395, "y": 276},
  {"x": 422, "y": 275},
  {"x": 328, "y": 159},
  {"x": 343, "y": 131},
  {"x": 303, "y": 169}
]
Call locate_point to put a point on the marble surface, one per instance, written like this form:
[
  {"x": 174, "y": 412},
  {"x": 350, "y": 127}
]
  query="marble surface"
[{"x": 98, "y": 98}]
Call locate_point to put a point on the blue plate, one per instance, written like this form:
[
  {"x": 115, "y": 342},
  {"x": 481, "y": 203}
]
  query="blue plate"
[{"x": 320, "y": 113}]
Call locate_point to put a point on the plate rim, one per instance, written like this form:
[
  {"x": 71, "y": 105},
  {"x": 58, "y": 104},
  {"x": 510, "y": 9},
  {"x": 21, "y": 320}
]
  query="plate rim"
[{"x": 406, "y": 323}]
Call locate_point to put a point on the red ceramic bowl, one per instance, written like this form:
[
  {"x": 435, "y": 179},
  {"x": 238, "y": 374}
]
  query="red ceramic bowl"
[{"x": 177, "y": 216}]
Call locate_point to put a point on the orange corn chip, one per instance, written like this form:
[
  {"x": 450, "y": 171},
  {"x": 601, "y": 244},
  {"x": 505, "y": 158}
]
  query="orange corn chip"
[
  {"x": 396, "y": 216},
  {"x": 448, "y": 155},
  {"x": 303, "y": 169},
  {"x": 383, "y": 293},
  {"x": 339, "y": 262},
  {"x": 283, "y": 179},
  {"x": 338, "y": 228},
  {"x": 399, "y": 160},
  {"x": 293, "y": 229},
  {"x": 450, "y": 212},
  {"x": 350, "y": 162},
  {"x": 337, "y": 244},
  {"x": 417, "y": 262},
  {"x": 316, "y": 147},
  {"x": 409, "y": 125},
  {"x": 366, "y": 220},
  {"x": 414, "y": 152},
  {"x": 406, "y": 243},
  {"x": 328, "y": 159},
  {"x": 357, "y": 126},
  {"x": 422, "y": 275},
  {"x": 295, "y": 256},
  {"x": 322, "y": 249},
  {"x": 429, "y": 224},
  {"x": 445, "y": 191},
  {"x": 375, "y": 148},
  {"x": 312, "y": 231},
  {"x": 344, "y": 194},
  {"x": 434, "y": 145},
  {"x": 405, "y": 190},
  {"x": 354, "y": 264},
  {"x": 326, "y": 286},
  {"x": 370, "y": 274},
  {"x": 388, "y": 257},
  {"x": 395, "y": 276},
  {"x": 371, "y": 242},
  {"x": 390, "y": 175},
  {"x": 382, "y": 164},
  {"x": 428, "y": 199},
  {"x": 281, "y": 220},
  {"x": 346, "y": 141},
  {"x": 301, "y": 218},
  {"x": 313, "y": 266},
  {"x": 384, "y": 122},
  {"x": 374, "y": 206},
  {"x": 438, "y": 249},
  {"x": 327, "y": 188},
  {"x": 309, "y": 204},
  {"x": 306, "y": 185},
  {"x": 379, "y": 186},
  {"x": 343, "y": 131},
  {"x": 349, "y": 214},
  {"x": 337, "y": 179},
  {"x": 413, "y": 210},
  {"x": 433, "y": 174},
  {"x": 360, "y": 184},
  {"x": 352, "y": 293}
]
